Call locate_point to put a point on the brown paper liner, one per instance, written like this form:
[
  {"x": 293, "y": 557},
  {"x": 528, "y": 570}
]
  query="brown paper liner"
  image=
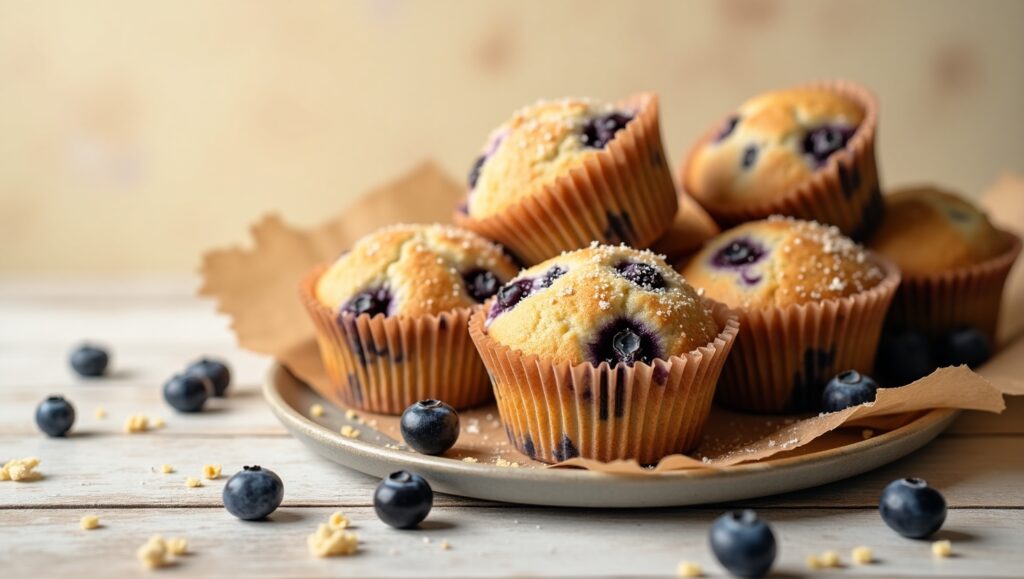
[
  {"x": 845, "y": 192},
  {"x": 969, "y": 296},
  {"x": 383, "y": 364},
  {"x": 553, "y": 411},
  {"x": 784, "y": 355},
  {"x": 621, "y": 194}
]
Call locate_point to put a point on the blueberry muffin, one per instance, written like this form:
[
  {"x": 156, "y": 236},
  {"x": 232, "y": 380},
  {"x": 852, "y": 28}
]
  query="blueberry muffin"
[
  {"x": 391, "y": 317},
  {"x": 806, "y": 152},
  {"x": 604, "y": 352},
  {"x": 811, "y": 303},
  {"x": 560, "y": 174},
  {"x": 954, "y": 264}
]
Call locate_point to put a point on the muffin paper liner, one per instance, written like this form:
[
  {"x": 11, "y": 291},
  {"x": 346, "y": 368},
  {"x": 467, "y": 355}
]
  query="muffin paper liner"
[
  {"x": 553, "y": 411},
  {"x": 383, "y": 364},
  {"x": 620, "y": 194},
  {"x": 784, "y": 355},
  {"x": 969, "y": 296},
  {"x": 845, "y": 192}
]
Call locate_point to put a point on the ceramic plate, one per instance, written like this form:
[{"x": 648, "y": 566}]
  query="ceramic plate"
[{"x": 290, "y": 399}]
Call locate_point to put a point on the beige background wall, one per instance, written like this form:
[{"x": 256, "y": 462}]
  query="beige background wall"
[{"x": 134, "y": 134}]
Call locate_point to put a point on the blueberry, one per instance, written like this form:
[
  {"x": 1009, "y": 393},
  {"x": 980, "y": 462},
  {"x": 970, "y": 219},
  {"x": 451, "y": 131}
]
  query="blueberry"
[
  {"x": 549, "y": 277},
  {"x": 187, "y": 393},
  {"x": 89, "y": 361},
  {"x": 749, "y": 157},
  {"x": 850, "y": 388},
  {"x": 912, "y": 508},
  {"x": 55, "y": 416},
  {"x": 430, "y": 426},
  {"x": 643, "y": 275},
  {"x": 821, "y": 142},
  {"x": 474, "y": 171},
  {"x": 215, "y": 371},
  {"x": 965, "y": 346},
  {"x": 510, "y": 295},
  {"x": 598, "y": 131},
  {"x": 403, "y": 500},
  {"x": 738, "y": 253},
  {"x": 743, "y": 543},
  {"x": 253, "y": 493},
  {"x": 904, "y": 356},
  {"x": 480, "y": 284},
  {"x": 624, "y": 341},
  {"x": 371, "y": 301},
  {"x": 727, "y": 129}
]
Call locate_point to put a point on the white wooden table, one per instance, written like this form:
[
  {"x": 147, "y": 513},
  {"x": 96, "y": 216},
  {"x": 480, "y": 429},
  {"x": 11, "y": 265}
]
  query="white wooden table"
[{"x": 155, "y": 328}]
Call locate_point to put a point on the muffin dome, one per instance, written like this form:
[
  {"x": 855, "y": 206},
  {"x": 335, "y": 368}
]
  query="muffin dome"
[
  {"x": 927, "y": 230},
  {"x": 540, "y": 143},
  {"x": 413, "y": 270},
  {"x": 781, "y": 261},
  {"x": 772, "y": 144},
  {"x": 601, "y": 304}
]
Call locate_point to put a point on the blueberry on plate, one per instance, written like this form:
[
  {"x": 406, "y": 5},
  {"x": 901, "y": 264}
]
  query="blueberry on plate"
[
  {"x": 403, "y": 500},
  {"x": 430, "y": 427},
  {"x": 216, "y": 371},
  {"x": 850, "y": 388},
  {"x": 912, "y": 508},
  {"x": 187, "y": 393},
  {"x": 743, "y": 543},
  {"x": 905, "y": 356},
  {"x": 964, "y": 346},
  {"x": 253, "y": 493},
  {"x": 55, "y": 416},
  {"x": 89, "y": 361}
]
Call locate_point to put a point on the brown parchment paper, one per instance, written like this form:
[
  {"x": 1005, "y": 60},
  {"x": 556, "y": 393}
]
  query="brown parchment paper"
[{"x": 257, "y": 287}]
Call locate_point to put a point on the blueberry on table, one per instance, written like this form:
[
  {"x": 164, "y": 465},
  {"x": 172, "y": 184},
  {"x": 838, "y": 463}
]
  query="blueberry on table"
[
  {"x": 216, "y": 371},
  {"x": 905, "y": 356},
  {"x": 430, "y": 427},
  {"x": 850, "y": 388},
  {"x": 187, "y": 393},
  {"x": 89, "y": 361},
  {"x": 403, "y": 500},
  {"x": 912, "y": 508},
  {"x": 965, "y": 346},
  {"x": 55, "y": 416},
  {"x": 253, "y": 493},
  {"x": 743, "y": 543}
]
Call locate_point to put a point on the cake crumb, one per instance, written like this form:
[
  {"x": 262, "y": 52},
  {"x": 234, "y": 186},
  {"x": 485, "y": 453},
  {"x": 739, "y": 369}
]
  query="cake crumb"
[
  {"x": 689, "y": 569},
  {"x": 506, "y": 463},
  {"x": 862, "y": 555},
  {"x": 193, "y": 483},
  {"x": 327, "y": 542},
  {"x": 813, "y": 562},
  {"x": 153, "y": 553},
  {"x": 351, "y": 414},
  {"x": 445, "y": 545},
  {"x": 100, "y": 413},
  {"x": 942, "y": 548},
  {"x": 20, "y": 470},
  {"x": 867, "y": 433},
  {"x": 158, "y": 422},
  {"x": 338, "y": 521},
  {"x": 349, "y": 432},
  {"x": 830, "y": 559},
  {"x": 136, "y": 423},
  {"x": 177, "y": 546},
  {"x": 211, "y": 471},
  {"x": 89, "y": 522},
  {"x": 470, "y": 460},
  {"x": 317, "y": 410},
  {"x": 166, "y": 468}
]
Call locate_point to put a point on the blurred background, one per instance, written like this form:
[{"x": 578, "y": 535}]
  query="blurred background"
[{"x": 136, "y": 134}]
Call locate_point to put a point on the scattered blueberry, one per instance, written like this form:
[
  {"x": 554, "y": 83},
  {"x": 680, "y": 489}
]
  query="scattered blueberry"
[
  {"x": 904, "y": 356},
  {"x": 253, "y": 493},
  {"x": 728, "y": 128},
  {"x": 403, "y": 500},
  {"x": 480, "y": 284},
  {"x": 216, "y": 371},
  {"x": 965, "y": 346},
  {"x": 850, "y": 388},
  {"x": 822, "y": 142},
  {"x": 89, "y": 361},
  {"x": 474, "y": 171},
  {"x": 55, "y": 416},
  {"x": 430, "y": 426},
  {"x": 624, "y": 341},
  {"x": 642, "y": 274},
  {"x": 738, "y": 253},
  {"x": 187, "y": 392},
  {"x": 510, "y": 295},
  {"x": 912, "y": 508},
  {"x": 598, "y": 131},
  {"x": 372, "y": 302},
  {"x": 743, "y": 543}
]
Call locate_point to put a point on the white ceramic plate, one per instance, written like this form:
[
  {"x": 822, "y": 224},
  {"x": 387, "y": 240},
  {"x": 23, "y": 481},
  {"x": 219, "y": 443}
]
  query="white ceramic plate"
[{"x": 289, "y": 398}]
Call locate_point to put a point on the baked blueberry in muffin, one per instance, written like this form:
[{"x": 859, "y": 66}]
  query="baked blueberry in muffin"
[
  {"x": 609, "y": 304},
  {"x": 411, "y": 270}
]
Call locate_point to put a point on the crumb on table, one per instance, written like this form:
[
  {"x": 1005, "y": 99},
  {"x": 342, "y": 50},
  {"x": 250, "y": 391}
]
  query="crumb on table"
[
  {"x": 192, "y": 483},
  {"x": 317, "y": 410},
  {"x": 153, "y": 553},
  {"x": 942, "y": 548},
  {"x": 338, "y": 521},
  {"x": 349, "y": 432},
  {"x": 20, "y": 470},
  {"x": 136, "y": 423},
  {"x": 862, "y": 555},
  {"x": 327, "y": 542},
  {"x": 100, "y": 413},
  {"x": 689, "y": 569},
  {"x": 211, "y": 471},
  {"x": 177, "y": 546},
  {"x": 830, "y": 559},
  {"x": 89, "y": 522},
  {"x": 166, "y": 468}
]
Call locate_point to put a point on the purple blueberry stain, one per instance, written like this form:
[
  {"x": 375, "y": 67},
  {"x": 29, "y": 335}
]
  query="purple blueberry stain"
[
  {"x": 641, "y": 274},
  {"x": 528, "y": 447},
  {"x": 372, "y": 302},
  {"x": 727, "y": 128},
  {"x": 619, "y": 229},
  {"x": 474, "y": 171},
  {"x": 481, "y": 284},
  {"x": 749, "y": 157},
  {"x": 624, "y": 341},
  {"x": 749, "y": 277},
  {"x": 809, "y": 383},
  {"x": 356, "y": 387},
  {"x": 600, "y": 130},
  {"x": 738, "y": 253},
  {"x": 565, "y": 450},
  {"x": 820, "y": 143},
  {"x": 660, "y": 375}
]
